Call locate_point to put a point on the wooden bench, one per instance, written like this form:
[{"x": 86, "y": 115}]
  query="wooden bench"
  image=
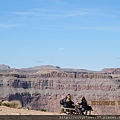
[
  {"x": 70, "y": 110},
  {"x": 86, "y": 111},
  {"x": 73, "y": 111}
]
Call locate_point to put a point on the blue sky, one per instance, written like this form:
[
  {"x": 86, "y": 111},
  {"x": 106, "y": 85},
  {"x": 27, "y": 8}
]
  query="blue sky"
[{"x": 82, "y": 34}]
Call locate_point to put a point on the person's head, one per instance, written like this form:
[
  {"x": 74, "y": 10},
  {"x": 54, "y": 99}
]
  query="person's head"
[
  {"x": 83, "y": 99},
  {"x": 69, "y": 96}
]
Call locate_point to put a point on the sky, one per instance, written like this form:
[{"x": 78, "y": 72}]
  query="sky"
[{"x": 81, "y": 34}]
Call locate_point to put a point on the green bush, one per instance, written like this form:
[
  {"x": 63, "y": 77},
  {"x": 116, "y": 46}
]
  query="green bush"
[
  {"x": 42, "y": 109},
  {"x": 6, "y": 103},
  {"x": 62, "y": 110}
]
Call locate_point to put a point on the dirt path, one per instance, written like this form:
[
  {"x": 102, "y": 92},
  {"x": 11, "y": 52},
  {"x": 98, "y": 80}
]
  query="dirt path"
[{"x": 11, "y": 111}]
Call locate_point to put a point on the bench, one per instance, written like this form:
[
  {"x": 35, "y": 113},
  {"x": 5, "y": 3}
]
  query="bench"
[
  {"x": 73, "y": 111},
  {"x": 70, "y": 110},
  {"x": 86, "y": 111}
]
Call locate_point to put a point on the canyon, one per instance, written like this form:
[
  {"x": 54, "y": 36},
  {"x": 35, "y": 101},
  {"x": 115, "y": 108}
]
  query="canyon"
[{"x": 44, "y": 86}]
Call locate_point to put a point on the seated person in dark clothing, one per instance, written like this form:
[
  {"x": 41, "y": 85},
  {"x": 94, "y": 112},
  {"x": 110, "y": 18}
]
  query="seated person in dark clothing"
[
  {"x": 67, "y": 102},
  {"x": 84, "y": 105}
]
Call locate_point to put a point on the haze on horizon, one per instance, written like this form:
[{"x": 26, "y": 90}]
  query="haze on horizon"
[{"x": 81, "y": 34}]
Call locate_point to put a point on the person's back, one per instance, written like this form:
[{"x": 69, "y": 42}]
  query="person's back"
[
  {"x": 69, "y": 103},
  {"x": 63, "y": 102},
  {"x": 84, "y": 105}
]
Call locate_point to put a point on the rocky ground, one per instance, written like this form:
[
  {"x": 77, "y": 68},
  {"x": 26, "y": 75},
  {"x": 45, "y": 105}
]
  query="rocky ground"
[{"x": 11, "y": 111}]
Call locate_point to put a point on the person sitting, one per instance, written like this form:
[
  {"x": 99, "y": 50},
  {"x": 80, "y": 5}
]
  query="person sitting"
[
  {"x": 67, "y": 102},
  {"x": 84, "y": 106}
]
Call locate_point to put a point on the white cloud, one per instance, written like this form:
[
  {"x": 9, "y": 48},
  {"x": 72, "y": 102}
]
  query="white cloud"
[
  {"x": 52, "y": 13},
  {"x": 22, "y": 13},
  {"x": 99, "y": 28},
  {"x": 96, "y": 28},
  {"x": 61, "y": 49},
  {"x": 39, "y": 61},
  {"x": 9, "y": 25},
  {"x": 69, "y": 13}
]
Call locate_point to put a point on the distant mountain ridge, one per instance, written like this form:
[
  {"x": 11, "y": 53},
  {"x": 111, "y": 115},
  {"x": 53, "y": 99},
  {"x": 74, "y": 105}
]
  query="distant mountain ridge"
[
  {"x": 3, "y": 66},
  {"x": 45, "y": 67},
  {"x": 51, "y": 67},
  {"x": 111, "y": 70}
]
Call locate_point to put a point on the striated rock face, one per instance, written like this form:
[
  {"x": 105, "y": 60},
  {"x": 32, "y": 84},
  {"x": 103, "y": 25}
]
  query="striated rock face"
[{"x": 43, "y": 88}]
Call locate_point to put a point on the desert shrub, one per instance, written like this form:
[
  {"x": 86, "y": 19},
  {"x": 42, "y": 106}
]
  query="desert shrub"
[
  {"x": 42, "y": 109},
  {"x": 15, "y": 104},
  {"x": 62, "y": 110},
  {"x": 6, "y": 103},
  {"x": 19, "y": 107}
]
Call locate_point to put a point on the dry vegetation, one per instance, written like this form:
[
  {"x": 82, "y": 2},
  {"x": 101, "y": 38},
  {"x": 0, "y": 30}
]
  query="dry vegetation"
[
  {"x": 13, "y": 104},
  {"x": 15, "y": 108}
]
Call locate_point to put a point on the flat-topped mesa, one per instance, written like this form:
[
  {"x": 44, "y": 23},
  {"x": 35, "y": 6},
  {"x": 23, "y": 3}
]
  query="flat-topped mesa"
[
  {"x": 45, "y": 67},
  {"x": 111, "y": 71},
  {"x": 56, "y": 73}
]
